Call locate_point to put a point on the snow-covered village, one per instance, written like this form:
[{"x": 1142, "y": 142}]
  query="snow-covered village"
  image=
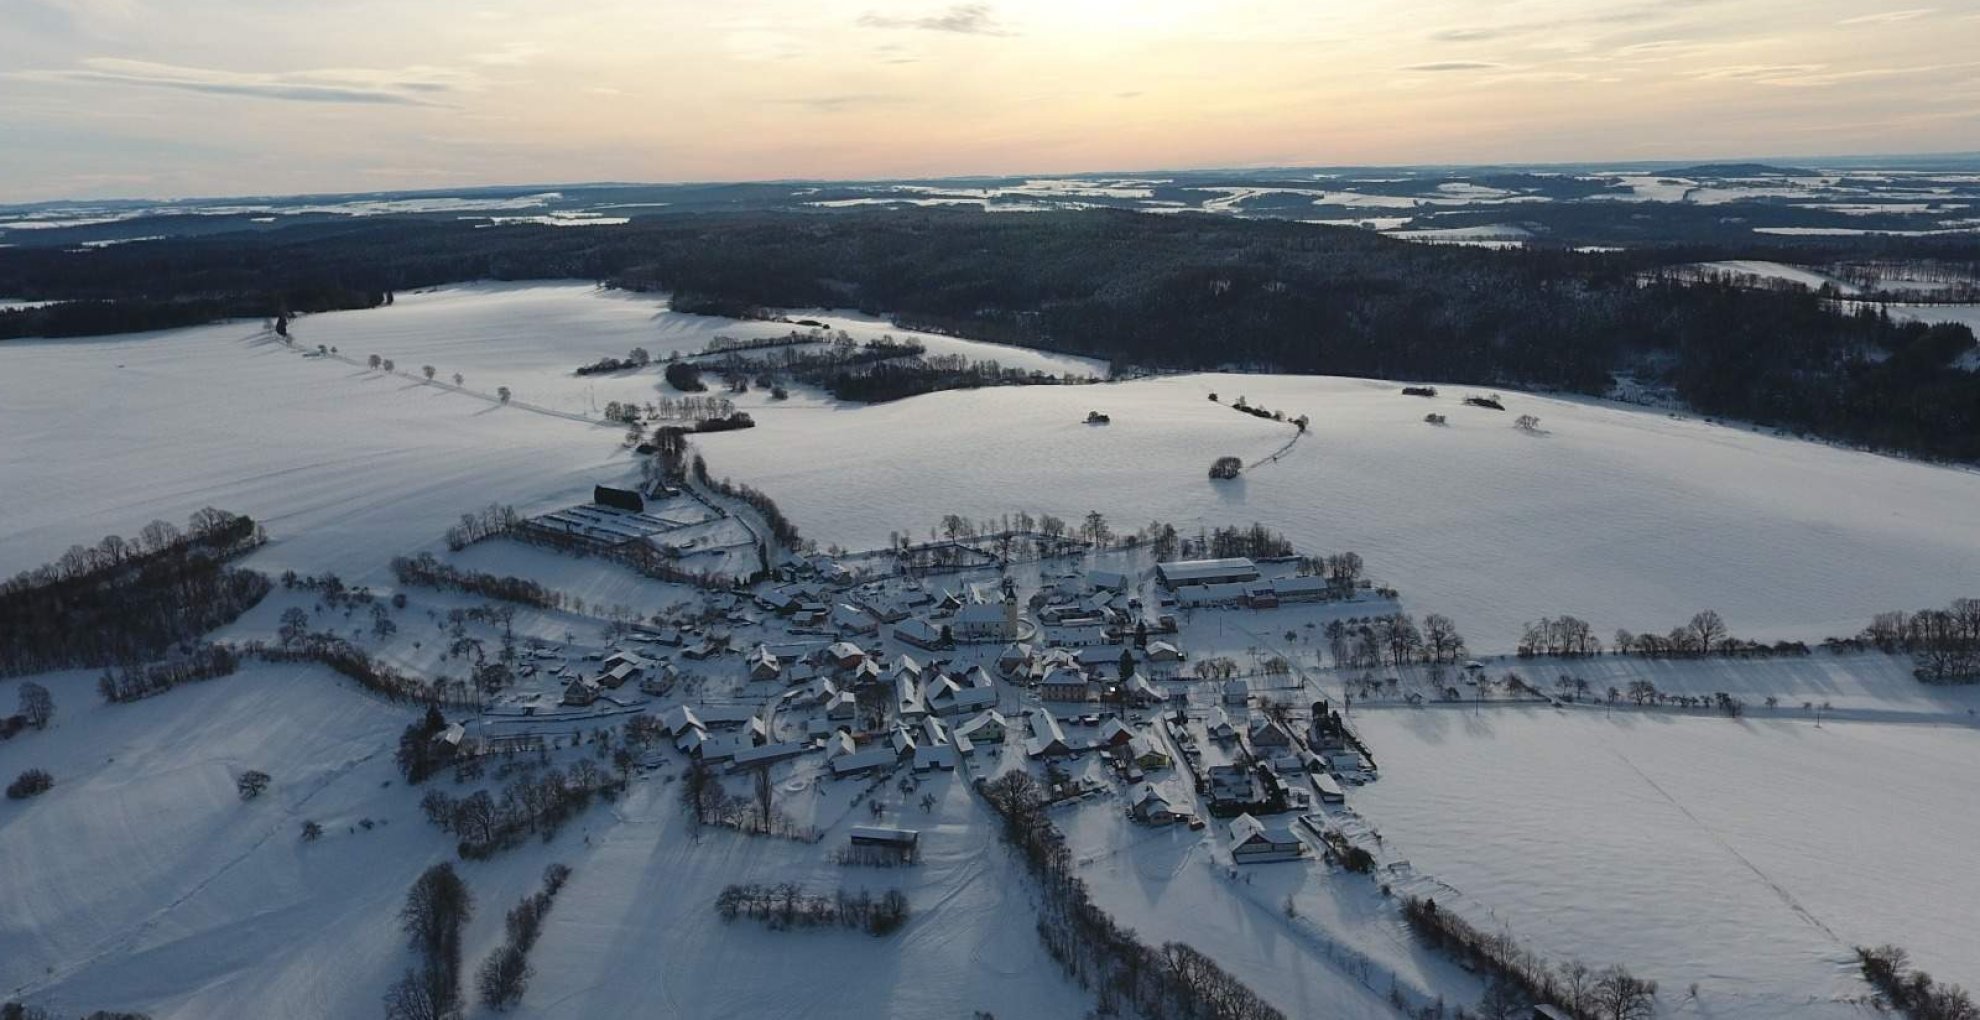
[{"x": 989, "y": 511}]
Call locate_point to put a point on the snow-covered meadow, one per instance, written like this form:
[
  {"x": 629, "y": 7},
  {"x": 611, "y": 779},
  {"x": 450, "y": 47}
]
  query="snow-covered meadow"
[{"x": 1747, "y": 856}]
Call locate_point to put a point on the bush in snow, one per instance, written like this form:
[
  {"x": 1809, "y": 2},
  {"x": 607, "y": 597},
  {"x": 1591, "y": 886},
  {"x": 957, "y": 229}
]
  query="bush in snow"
[{"x": 31, "y": 783}]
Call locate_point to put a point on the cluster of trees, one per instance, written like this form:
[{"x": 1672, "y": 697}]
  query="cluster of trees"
[
  {"x": 203, "y": 661},
  {"x": 21, "y": 1011},
  {"x": 1240, "y": 404},
  {"x": 1168, "y": 291},
  {"x": 488, "y": 522},
  {"x": 1612, "y": 993},
  {"x": 1175, "y": 980},
  {"x": 685, "y": 376},
  {"x": 426, "y": 570},
  {"x": 504, "y": 975},
  {"x": 785, "y": 906},
  {"x": 129, "y": 600},
  {"x": 1945, "y": 643},
  {"x": 1254, "y": 542},
  {"x": 1911, "y": 992},
  {"x": 1226, "y": 467},
  {"x": 528, "y": 805},
  {"x": 636, "y": 358},
  {"x": 781, "y": 528},
  {"x": 1393, "y": 639},
  {"x": 1565, "y": 637},
  {"x": 30, "y": 783},
  {"x": 437, "y": 908}
]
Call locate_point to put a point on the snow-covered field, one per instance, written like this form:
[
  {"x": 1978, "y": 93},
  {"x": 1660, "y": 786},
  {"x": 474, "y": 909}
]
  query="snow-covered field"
[
  {"x": 1624, "y": 517},
  {"x": 1745, "y": 856},
  {"x": 1693, "y": 849}
]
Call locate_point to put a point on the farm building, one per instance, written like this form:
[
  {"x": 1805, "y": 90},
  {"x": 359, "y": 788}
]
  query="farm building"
[
  {"x": 919, "y": 633},
  {"x": 618, "y": 499},
  {"x": 1178, "y": 574}
]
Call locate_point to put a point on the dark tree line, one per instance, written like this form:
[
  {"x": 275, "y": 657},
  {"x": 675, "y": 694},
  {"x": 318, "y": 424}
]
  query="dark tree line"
[
  {"x": 786, "y": 905},
  {"x": 129, "y": 600},
  {"x": 427, "y": 571},
  {"x": 202, "y": 662},
  {"x": 1612, "y": 993},
  {"x": 437, "y": 907},
  {"x": 1945, "y": 643},
  {"x": 528, "y": 805},
  {"x": 504, "y": 975}
]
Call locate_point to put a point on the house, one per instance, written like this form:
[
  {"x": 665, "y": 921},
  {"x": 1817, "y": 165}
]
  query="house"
[
  {"x": 1237, "y": 692},
  {"x": 843, "y": 706},
  {"x": 844, "y": 654},
  {"x": 448, "y": 741},
  {"x": 853, "y": 620},
  {"x": 1073, "y": 635},
  {"x": 907, "y": 665},
  {"x": 1254, "y": 842},
  {"x": 865, "y": 761},
  {"x": 679, "y": 719},
  {"x": 691, "y": 741},
  {"x": 901, "y": 741},
  {"x": 919, "y": 633},
  {"x": 1178, "y": 574},
  {"x": 1013, "y": 658},
  {"x": 1114, "y": 733},
  {"x": 985, "y": 621},
  {"x": 985, "y": 728},
  {"x": 1262, "y": 733},
  {"x": 765, "y": 754},
  {"x": 868, "y": 672},
  {"x": 1149, "y": 807},
  {"x": 582, "y": 691},
  {"x": 908, "y": 703},
  {"x": 1145, "y": 752},
  {"x": 764, "y": 664},
  {"x": 1162, "y": 651},
  {"x": 1048, "y": 738},
  {"x": 947, "y": 697},
  {"x": 1219, "y": 725},
  {"x": 1109, "y": 580},
  {"x": 616, "y": 674},
  {"x": 1063, "y": 685},
  {"x": 1141, "y": 691},
  {"x": 840, "y": 743}
]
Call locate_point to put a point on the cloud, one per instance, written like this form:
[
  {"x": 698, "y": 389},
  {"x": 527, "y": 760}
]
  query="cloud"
[
  {"x": 1889, "y": 16},
  {"x": 965, "y": 19},
  {"x": 1455, "y": 65},
  {"x": 409, "y": 87},
  {"x": 844, "y": 101}
]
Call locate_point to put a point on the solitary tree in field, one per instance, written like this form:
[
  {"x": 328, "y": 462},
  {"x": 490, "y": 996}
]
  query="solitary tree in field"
[
  {"x": 502, "y": 393},
  {"x": 252, "y": 783},
  {"x": 459, "y": 379},
  {"x": 37, "y": 705},
  {"x": 427, "y": 370},
  {"x": 374, "y": 361},
  {"x": 1527, "y": 423},
  {"x": 387, "y": 365}
]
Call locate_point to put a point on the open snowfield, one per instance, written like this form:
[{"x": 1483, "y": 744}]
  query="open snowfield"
[
  {"x": 345, "y": 466},
  {"x": 142, "y": 881},
  {"x": 1624, "y": 517},
  {"x": 1747, "y": 856}
]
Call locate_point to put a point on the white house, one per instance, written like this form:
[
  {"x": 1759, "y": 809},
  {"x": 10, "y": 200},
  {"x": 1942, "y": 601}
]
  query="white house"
[
  {"x": 985, "y": 728},
  {"x": 1048, "y": 738},
  {"x": 1254, "y": 842},
  {"x": 764, "y": 664}
]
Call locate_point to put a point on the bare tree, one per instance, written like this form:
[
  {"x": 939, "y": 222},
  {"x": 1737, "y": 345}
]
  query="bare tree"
[
  {"x": 1707, "y": 631},
  {"x": 427, "y": 370},
  {"x": 502, "y": 394},
  {"x": 37, "y": 705},
  {"x": 1619, "y": 995}
]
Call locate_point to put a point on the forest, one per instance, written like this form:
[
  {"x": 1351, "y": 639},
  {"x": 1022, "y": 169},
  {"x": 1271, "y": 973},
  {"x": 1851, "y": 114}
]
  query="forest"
[
  {"x": 129, "y": 600},
  {"x": 1150, "y": 292}
]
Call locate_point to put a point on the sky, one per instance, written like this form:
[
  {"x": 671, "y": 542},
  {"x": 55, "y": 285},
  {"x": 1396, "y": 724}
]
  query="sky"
[{"x": 178, "y": 98}]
